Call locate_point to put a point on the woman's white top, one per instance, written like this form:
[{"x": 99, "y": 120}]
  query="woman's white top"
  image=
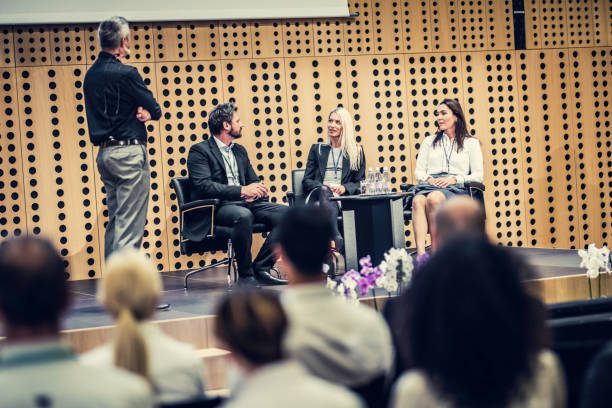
[
  {"x": 176, "y": 369},
  {"x": 545, "y": 390},
  {"x": 465, "y": 165}
]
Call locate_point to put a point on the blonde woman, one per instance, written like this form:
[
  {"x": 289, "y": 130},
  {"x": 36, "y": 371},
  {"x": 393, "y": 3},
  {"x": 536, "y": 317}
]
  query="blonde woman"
[
  {"x": 336, "y": 167},
  {"x": 130, "y": 289}
]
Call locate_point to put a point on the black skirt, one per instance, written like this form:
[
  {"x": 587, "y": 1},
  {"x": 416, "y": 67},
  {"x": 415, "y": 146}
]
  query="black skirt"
[{"x": 452, "y": 190}]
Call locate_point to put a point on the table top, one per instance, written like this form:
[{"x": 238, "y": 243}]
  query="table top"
[{"x": 368, "y": 197}]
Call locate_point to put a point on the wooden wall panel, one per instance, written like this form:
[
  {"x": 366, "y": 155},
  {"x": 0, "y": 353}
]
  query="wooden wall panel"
[
  {"x": 472, "y": 24},
  {"x": 7, "y": 53},
  {"x": 258, "y": 88},
  {"x": 602, "y": 22},
  {"x": 445, "y": 25},
  {"x": 141, "y": 43},
  {"x": 58, "y": 170},
  {"x": 416, "y": 20},
  {"x": 12, "y": 197},
  {"x": 32, "y": 46},
  {"x": 315, "y": 86},
  {"x": 553, "y": 17},
  {"x": 328, "y": 37},
  {"x": 67, "y": 44},
  {"x": 500, "y": 25},
  {"x": 298, "y": 36},
  {"x": 591, "y": 69},
  {"x": 358, "y": 30},
  {"x": 548, "y": 149},
  {"x": 388, "y": 29},
  {"x": 236, "y": 40},
  {"x": 203, "y": 41},
  {"x": 580, "y": 23},
  {"x": 533, "y": 24},
  {"x": 187, "y": 91},
  {"x": 490, "y": 106},
  {"x": 267, "y": 39},
  {"x": 170, "y": 41}
]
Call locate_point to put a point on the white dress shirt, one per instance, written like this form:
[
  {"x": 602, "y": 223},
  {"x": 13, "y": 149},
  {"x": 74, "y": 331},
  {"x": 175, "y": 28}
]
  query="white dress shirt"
[
  {"x": 337, "y": 341},
  {"x": 465, "y": 165},
  {"x": 288, "y": 384},
  {"x": 48, "y": 372},
  {"x": 176, "y": 370},
  {"x": 231, "y": 166},
  {"x": 546, "y": 389}
]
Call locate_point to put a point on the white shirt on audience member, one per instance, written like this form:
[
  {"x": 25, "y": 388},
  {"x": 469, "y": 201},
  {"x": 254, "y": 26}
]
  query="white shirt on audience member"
[
  {"x": 176, "y": 369},
  {"x": 229, "y": 160},
  {"x": 546, "y": 389},
  {"x": 342, "y": 343},
  {"x": 466, "y": 165},
  {"x": 48, "y": 372},
  {"x": 287, "y": 384}
]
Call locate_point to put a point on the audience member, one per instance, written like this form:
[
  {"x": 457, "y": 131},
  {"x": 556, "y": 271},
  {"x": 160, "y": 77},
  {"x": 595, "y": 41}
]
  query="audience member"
[
  {"x": 459, "y": 215},
  {"x": 37, "y": 369},
  {"x": 474, "y": 336},
  {"x": 252, "y": 326},
  {"x": 597, "y": 380},
  {"x": 343, "y": 343},
  {"x": 130, "y": 288}
]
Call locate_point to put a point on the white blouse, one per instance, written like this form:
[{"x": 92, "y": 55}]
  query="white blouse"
[{"x": 465, "y": 165}]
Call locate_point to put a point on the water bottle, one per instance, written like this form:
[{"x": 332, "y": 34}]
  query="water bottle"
[
  {"x": 370, "y": 182},
  {"x": 386, "y": 181},
  {"x": 377, "y": 181}
]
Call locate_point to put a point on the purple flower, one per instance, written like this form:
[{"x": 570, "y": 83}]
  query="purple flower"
[
  {"x": 364, "y": 285},
  {"x": 366, "y": 262}
]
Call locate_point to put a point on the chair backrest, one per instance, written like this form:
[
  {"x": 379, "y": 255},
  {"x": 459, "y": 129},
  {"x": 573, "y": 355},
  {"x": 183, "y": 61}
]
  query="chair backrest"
[
  {"x": 296, "y": 184},
  {"x": 182, "y": 188}
]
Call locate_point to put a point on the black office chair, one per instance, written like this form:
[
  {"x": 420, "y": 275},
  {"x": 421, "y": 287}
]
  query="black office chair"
[
  {"x": 475, "y": 189},
  {"x": 219, "y": 237}
]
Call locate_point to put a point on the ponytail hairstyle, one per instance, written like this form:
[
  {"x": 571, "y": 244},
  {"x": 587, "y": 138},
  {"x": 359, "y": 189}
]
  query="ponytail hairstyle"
[
  {"x": 129, "y": 289},
  {"x": 349, "y": 146},
  {"x": 461, "y": 129}
]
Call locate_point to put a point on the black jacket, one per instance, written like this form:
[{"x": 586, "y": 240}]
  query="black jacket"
[
  {"x": 317, "y": 164},
  {"x": 208, "y": 175},
  {"x": 113, "y": 93}
]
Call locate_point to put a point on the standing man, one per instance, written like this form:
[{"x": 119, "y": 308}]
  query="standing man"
[
  {"x": 220, "y": 168},
  {"x": 118, "y": 104}
]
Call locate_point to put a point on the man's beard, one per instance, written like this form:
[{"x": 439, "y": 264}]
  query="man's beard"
[{"x": 236, "y": 135}]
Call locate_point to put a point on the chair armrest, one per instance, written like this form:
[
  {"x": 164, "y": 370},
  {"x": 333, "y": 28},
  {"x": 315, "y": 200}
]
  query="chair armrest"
[
  {"x": 199, "y": 203},
  {"x": 406, "y": 187},
  {"x": 290, "y": 198},
  {"x": 475, "y": 185}
]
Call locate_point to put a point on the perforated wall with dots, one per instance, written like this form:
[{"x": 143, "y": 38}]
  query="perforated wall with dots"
[{"x": 542, "y": 115}]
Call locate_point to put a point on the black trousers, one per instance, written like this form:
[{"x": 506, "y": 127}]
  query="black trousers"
[{"x": 241, "y": 219}]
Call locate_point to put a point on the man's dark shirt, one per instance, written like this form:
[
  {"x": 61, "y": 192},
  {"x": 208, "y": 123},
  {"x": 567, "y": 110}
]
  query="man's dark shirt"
[{"x": 113, "y": 93}]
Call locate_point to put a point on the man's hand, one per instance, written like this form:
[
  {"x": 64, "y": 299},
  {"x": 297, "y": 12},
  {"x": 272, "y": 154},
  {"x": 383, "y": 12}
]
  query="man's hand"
[
  {"x": 338, "y": 189},
  {"x": 442, "y": 181},
  {"x": 254, "y": 191},
  {"x": 142, "y": 114}
]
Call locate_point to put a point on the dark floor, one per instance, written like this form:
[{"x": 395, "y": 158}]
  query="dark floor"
[{"x": 206, "y": 288}]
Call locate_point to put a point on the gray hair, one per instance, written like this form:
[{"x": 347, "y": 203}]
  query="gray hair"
[{"x": 112, "y": 31}]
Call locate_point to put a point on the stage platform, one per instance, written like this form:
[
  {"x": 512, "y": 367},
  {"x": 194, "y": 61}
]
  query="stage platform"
[{"x": 557, "y": 277}]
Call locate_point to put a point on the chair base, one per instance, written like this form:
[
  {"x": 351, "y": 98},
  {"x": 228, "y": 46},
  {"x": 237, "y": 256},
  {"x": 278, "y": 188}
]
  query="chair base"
[{"x": 229, "y": 261}]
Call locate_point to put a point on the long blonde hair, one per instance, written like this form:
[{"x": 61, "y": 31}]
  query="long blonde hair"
[
  {"x": 129, "y": 289},
  {"x": 349, "y": 146}
]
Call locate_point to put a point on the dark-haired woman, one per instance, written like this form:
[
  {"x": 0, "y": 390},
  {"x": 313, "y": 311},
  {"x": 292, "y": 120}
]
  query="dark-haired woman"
[
  {"x": 252, "y": 325},
  {"x": 474, "y": 336},
  {"x": 445, "y": 162}
]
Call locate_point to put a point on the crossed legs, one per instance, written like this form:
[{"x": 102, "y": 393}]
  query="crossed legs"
[{"x": 423, "y": 214}]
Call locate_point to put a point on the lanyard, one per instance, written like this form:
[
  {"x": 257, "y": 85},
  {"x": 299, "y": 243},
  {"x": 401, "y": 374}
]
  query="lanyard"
[
  {"x": 230, "y": 167},
  {"x": 336, "y": 163},
  {"x": 449, "y": 155}
]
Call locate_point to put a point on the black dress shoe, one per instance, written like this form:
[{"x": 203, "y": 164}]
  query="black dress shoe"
[
  {"x": 264, "y": 278},
  {"x": 247, "y": 281}
]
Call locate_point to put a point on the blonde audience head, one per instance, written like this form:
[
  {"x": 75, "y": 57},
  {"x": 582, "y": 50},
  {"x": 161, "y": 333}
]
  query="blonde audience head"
[{"x": 130, "y": 289}]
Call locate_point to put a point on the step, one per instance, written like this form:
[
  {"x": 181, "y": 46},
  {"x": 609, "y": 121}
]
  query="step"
[{"x": 215, "y": 367}]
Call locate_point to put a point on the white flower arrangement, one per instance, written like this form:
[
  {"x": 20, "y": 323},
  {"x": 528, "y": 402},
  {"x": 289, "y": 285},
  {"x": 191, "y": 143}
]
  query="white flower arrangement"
[
  {"x": 396, "y": 269},
  {"x": 594, "y": 259},
  {"x": 393, "y": 271}
]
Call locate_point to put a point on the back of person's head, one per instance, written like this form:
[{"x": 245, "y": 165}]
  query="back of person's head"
[
  {"x": 252, "y": 324},
  {"x": 473, "y": 328},
  {"x": 33, "y": 287},
  {"x": 112, "y": 31},
  {"x": 220, "y": 114},
  {"x": 459, "y": 215},
  {"x": 304, "y": 234},
  {"x": 130, "y": 289}
]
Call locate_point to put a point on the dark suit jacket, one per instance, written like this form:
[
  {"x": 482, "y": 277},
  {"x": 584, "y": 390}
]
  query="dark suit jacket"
[
  {"x": 317, "y": 164},
  {"x": 209, "y": 180}
]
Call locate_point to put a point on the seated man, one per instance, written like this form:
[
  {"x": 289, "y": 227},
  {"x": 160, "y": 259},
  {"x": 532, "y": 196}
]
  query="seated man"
[
  {"x": 36, "y": 367},
  {"x": 339, "y": 342},
  {"x": 219, "y": 168}
]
